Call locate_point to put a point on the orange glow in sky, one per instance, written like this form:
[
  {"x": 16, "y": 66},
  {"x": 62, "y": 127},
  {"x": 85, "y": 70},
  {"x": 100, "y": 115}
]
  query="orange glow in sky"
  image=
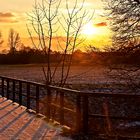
[
  {"x": 13, "y": 14},
  {"x": 89, "y": 29}
]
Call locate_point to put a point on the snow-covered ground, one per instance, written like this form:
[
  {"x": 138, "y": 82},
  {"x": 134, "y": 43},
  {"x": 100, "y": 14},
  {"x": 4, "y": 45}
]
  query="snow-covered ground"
[{"x": 89, "y": 78}]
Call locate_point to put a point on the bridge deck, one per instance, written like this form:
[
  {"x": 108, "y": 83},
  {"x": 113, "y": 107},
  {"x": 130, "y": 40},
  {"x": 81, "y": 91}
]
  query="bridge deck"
[{"x": 18, "y": 123}]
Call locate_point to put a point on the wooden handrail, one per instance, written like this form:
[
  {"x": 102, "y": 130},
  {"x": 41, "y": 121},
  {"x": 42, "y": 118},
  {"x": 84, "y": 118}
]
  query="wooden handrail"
[{"x": 82, "y": 93}]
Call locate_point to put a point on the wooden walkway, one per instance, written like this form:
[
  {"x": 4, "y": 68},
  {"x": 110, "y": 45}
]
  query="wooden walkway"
[{"x": 16, "y": 123}]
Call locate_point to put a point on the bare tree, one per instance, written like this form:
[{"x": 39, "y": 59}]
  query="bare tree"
[
  {"x": 13, "y": 41},
  {"x": 125, "y": 23},
  {"x": 44, "y": 19},
  {"x": 74, "y": 21}
]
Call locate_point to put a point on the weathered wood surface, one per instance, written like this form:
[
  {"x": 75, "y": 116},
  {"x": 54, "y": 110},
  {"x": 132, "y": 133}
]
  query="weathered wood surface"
[{"x": 16, "y": 123}]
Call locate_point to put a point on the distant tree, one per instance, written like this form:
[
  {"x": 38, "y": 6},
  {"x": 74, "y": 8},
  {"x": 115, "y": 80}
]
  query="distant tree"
[
  {"x": 92, "y": 49},
  {"x": 78, "y": 56},
  {"x": 24, "y": 48},
  {"x": 125, "y": 23},
  {"x": 13, "y": 41},
  {"x": 4, "y": 51}
]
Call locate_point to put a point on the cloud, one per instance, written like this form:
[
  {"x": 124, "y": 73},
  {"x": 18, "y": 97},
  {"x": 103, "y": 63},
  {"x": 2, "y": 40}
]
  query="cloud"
[
  {"x": 8, "y": 20},
  {"x": 57, "y": 38},
  {"x": 7, "y": 17},
  {"x": 101, "y": 24}
]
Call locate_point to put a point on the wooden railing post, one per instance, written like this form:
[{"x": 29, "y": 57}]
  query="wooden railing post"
[
  {"x": 61, "y": 108},
  {"x": 78, "y": 113},
  {"x": 48, "y": 107},
  {"x": 20, "y": 93},
  {"x": 28, "y": 96},
  {"x": 7, "y": 94},
  {"x": 2, "y": 87},
  {"x": 13, "y": 90},
  {"x": 37, "y": 99},
  {"x": 85, "y": 114}
]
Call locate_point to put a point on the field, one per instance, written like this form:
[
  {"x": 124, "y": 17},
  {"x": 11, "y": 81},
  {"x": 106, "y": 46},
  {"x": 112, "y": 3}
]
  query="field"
[
  {"x": 78, "y": 74},
  {"x": 85, "y": 77}
]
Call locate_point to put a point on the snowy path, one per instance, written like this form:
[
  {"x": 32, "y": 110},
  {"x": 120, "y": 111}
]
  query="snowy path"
[{"x": 18, "y": 124}]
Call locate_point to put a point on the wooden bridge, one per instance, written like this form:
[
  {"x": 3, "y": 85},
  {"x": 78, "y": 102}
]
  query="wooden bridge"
[
  {"x": 73, "y": 110},
  {"x": 18, "y": 123}
]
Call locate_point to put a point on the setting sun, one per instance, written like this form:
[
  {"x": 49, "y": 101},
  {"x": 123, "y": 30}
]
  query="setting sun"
[{"x": 89, "y": 29}]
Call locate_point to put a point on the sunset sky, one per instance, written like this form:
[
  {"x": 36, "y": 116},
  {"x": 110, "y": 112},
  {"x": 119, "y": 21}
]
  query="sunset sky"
[{"x": 13, "y": 14}]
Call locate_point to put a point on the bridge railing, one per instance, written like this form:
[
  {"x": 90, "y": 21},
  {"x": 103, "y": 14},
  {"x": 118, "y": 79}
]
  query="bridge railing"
[
  {"x": 55, "y": 100},
  {"x": 66, "y": 106}
]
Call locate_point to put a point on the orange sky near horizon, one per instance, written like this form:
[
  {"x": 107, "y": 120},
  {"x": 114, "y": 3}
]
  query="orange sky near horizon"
[{"x": 13, "y": 14}]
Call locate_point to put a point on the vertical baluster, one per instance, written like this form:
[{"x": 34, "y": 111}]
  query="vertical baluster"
[
  {"x": 2, "y": 87},
  {"x": 78, "y": 113},
  {"x": 61, "y": 108},
  {"x": 28, "y": 96},
  {"x": 85, "y": 114},
  {"x": 37, "y": 99},
  {"x": 7, "y": 94},
  {"x": 13, "y": 90},
  {"x": 20, "y": 93},
  {"x": 48, "y": 111}
]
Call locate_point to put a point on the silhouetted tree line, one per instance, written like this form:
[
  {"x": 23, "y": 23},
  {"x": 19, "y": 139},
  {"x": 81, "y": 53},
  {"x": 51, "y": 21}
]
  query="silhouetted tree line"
[
  {"x": 109, "y": 58},
  {"x": 27, "y": 55}
]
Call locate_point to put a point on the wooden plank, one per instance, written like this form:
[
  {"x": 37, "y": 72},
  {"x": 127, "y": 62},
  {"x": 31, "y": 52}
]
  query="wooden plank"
[
  {"x": 2, "y": 87},
  {"x": 28, "y": 96},
  {"x": 48, "y": 107},
  {"x": 13, "y": 90},
  {"x": 23, "y": 81},
  {"x": 115, "y": 117},
  {"x": 20, "y": 93},
  {"x": 78, "y": 113},
  {"x": 85, "y": 115},
  {"x": 7, "y": 88},
  {"x": 64, "y": 108},
  {"x": 37, "y": 99},
  {"x": 61, "y": 115}
]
